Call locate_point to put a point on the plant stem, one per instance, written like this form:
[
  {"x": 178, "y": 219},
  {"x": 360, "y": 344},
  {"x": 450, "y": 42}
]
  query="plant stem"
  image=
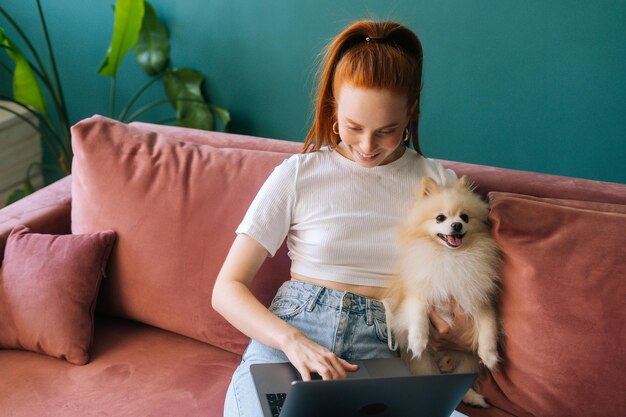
[
  {"x": 62, "y": 109},
  {"x": 52, "y": 148},
  {"x": 40, "y": 75},
  {"x": 30, "y": 46},
  {"x": 43, "y": 119},
  {"x": 6, "y": 67},
  {"x": 44, "y": 77},
  {"x": 156, "y": 103},
  {"x": 136, "y": 96}
]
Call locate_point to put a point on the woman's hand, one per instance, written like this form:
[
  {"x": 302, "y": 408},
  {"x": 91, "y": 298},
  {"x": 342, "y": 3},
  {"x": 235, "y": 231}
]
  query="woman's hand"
[
  {"x": 308, "y": 357},
  {"x": 456, "y": 336}
]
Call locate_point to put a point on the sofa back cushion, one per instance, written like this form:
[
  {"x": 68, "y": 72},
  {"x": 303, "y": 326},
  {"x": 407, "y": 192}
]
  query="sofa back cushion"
[
  {"x": 219, "y": 139},
  {"x": 562, "y": 307},
  {"x": 175, "y": 206},
  {"x": 486, "y": 178},
  {"x": 489, "y": 179}
]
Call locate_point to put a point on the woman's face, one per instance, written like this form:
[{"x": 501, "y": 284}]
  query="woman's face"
[{"x": 371, "y": 124}]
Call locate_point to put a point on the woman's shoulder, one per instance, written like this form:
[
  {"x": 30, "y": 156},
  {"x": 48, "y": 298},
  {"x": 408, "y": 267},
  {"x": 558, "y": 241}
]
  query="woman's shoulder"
[
  {"x": 309, "y": 159},
  {"x": 304, "y": 164},
  {"x": 432, "y": 168}
]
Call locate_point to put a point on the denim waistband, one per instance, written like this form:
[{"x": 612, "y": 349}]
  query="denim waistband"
[{"x": 318, "y": 295}]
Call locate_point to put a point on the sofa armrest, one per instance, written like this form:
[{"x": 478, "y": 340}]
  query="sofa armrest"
[{"x": 45, "y": 211}]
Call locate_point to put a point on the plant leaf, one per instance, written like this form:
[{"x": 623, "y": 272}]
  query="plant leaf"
[
  {"x": 221, "y": 114},
  {"x": 152, "y": 48},
  {"x": 26, "y": 87},
  {"x": 128, "y": 18},
  {"x": 183, "y": 89}
]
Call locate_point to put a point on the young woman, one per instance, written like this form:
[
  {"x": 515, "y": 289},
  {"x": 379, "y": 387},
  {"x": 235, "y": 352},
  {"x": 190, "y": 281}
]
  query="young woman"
[{"x": 339, "y": 204}]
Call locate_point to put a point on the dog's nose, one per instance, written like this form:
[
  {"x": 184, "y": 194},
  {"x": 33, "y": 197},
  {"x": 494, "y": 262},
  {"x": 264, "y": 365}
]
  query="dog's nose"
[{"x": 457, "y": 227}]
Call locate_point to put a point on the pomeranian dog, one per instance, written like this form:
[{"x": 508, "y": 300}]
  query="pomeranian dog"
[{"x": 446, "y": 251}]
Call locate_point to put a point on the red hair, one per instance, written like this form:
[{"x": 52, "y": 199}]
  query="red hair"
[{"x": 391, "y": 59}]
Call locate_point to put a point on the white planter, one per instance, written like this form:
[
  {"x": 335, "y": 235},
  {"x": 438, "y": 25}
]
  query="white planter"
[{"x": 19, "y": 147}]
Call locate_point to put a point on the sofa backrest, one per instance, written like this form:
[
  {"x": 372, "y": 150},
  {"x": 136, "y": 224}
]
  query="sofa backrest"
[
  {"x": 175, "y": 197},
  {"x": 175, "y": 205},
  {"x": 489, "y": 179}
]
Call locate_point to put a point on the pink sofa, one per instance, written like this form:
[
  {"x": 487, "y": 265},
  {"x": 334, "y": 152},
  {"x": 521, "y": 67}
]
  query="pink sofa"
[{"x": 174, "y": 197}]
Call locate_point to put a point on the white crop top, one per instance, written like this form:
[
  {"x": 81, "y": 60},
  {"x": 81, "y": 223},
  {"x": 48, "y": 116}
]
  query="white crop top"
[{"x": 341, "y": 219}]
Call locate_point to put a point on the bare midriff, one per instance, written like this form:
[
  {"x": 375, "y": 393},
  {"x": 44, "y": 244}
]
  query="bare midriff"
[{"x": 377, "y": 293}]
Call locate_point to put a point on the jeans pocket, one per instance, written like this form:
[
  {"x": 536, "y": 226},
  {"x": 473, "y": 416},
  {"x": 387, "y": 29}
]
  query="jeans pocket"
[
  {"x": 381, "y": 330},
  {"x": 286, "y": 307}
]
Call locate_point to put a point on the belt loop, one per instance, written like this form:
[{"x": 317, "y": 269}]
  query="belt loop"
[
  {"x": 313, "y": 300},
  {"x": 368, "y": 312}
]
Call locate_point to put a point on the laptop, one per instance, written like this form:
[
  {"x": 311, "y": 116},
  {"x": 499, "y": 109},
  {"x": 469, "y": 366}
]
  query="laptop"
[{"x": 381, "y": 388}]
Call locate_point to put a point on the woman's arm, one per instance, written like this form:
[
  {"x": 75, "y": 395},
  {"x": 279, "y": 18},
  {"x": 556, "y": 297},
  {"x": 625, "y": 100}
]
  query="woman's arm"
[{"x": 233, "y": 299}]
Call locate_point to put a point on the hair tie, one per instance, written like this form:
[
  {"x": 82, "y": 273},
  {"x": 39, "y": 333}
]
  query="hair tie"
[{"x": 376, "y": 40}]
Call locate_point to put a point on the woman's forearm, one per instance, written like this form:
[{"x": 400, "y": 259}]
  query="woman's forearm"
[{"x": 234, "y": 301}]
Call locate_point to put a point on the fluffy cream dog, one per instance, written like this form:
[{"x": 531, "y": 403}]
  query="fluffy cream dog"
[{"x": 447, "y": 251}]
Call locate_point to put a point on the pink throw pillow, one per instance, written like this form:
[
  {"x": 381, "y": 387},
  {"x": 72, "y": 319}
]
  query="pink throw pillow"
[
  {"x": 48, "y": 290},
  {"x": 175, "y": 206},
  {"x": 562, "y": 306}
]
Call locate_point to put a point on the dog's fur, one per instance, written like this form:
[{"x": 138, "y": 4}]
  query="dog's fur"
[{"x": 447, "y": 251}]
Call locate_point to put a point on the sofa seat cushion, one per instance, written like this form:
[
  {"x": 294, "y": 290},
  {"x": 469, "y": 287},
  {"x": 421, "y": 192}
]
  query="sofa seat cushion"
[{"x": 135, "y": 370}]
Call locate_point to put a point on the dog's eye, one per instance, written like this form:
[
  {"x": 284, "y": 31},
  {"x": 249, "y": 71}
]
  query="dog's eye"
[
  {"x": 440, "y": 218},
  {"x": 465, "y": 217}
]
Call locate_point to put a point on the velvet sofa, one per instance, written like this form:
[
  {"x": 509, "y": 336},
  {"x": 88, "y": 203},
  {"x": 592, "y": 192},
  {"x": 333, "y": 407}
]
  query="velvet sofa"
[{"x": 174, "y": 196}]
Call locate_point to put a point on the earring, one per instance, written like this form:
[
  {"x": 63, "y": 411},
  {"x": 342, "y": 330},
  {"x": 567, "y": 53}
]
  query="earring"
[
  {"x": 336, "y": 128},
  {"x": 406, "y": 138}
]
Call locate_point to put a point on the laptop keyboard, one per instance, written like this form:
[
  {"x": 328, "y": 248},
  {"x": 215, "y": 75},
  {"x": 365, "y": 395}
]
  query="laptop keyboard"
[{"x": 276, "y": 402}]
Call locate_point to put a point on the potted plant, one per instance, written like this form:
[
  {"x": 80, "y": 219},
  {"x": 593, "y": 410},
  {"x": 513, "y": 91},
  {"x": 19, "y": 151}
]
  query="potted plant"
[{"x": 37, "y": 87}]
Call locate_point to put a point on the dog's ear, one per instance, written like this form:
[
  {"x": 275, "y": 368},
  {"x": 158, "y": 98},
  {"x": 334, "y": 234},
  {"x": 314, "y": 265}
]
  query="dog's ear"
[
  {"x": 464, "y": 183},
  {"x": 428, "y": 186}
]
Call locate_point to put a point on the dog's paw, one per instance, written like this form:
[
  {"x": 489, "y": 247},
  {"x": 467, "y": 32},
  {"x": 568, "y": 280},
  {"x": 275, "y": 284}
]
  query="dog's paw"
[
  {"x": 416, "y": 343},
  {"x": 474, "y": 399},
  {"x": 489, "y": 358}
]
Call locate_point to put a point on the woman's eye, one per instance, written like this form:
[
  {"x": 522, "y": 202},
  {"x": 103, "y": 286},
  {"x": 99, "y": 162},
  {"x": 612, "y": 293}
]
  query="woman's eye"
[
  {"x": 441, "y": 218},
  {"x": 354, "y": 129},
  {"x": 464, "y": 217}
]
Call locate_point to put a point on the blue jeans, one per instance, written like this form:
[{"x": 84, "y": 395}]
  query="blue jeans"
[{"x": 351, "y": 326}]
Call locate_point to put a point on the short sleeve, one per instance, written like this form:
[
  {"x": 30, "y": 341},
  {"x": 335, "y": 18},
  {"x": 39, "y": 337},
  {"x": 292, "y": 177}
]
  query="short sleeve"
[
  {"x": 448, "y": 177},
  {"x": 444, "y": 176},
  {"x": 269, "y": 216}
]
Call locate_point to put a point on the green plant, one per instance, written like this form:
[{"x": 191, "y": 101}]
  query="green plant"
[
  {"x": 137, "y": 27},
  {"x": 37, "y": 87}
]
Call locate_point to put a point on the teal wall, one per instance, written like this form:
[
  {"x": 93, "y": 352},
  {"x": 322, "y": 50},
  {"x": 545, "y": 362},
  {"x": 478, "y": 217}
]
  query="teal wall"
[{"x": 535, "y": 85}]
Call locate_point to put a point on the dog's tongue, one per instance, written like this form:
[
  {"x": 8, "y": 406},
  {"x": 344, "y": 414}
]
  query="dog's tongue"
[{"x": 455, "y": 240}]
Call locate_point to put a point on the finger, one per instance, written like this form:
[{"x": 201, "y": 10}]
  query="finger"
[
  {"x": 439, "y": 324},
  {"x": 341, "y": 367},
  {"x": 304, "y": 373},
  {"x": 337, "y": 368},
  {"x": 327, "y": 372},
  {"x": 457, "y": 310},
  {"x": 352, "y": 367}
]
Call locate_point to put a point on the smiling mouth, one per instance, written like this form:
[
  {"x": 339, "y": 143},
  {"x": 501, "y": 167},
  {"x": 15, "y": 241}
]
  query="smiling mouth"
[
  {"x": 367, "y": 157},
  {"x": 453, "y": 241}
]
